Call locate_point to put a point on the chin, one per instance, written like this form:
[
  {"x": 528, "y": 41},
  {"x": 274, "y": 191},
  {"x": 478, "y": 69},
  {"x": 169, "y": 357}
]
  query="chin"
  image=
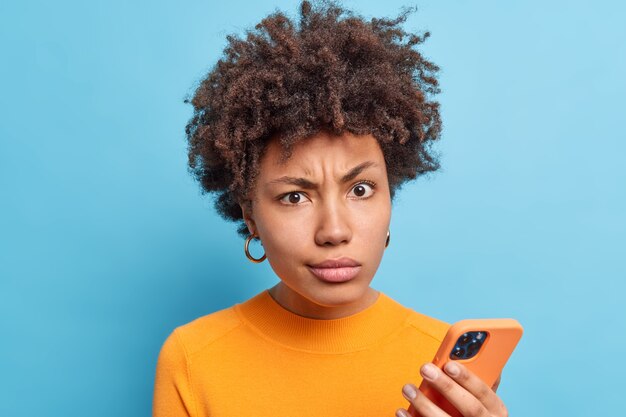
[{"x": 337, "y": 294}]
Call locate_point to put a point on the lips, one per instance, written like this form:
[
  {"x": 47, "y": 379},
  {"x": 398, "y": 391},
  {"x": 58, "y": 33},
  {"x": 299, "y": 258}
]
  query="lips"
[
  {"x": 336, "y": 270},
  {"x": 336, "y": 263}
]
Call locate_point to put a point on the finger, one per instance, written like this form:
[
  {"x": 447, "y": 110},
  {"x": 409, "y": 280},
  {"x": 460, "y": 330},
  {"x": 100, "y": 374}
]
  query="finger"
[
  {"x": 496, "y": 384},
  {"x": 463, "y": 400},
  {"x": 421, "y": 406},
  {"x": 473, "y": 384}
]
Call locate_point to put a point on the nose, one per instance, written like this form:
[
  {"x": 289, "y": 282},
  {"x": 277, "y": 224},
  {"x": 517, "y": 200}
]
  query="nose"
[{"x": 333, "y": 224}]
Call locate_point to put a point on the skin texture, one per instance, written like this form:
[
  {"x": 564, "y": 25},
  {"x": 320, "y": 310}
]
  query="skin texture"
[{"x": 299, "y": 226}]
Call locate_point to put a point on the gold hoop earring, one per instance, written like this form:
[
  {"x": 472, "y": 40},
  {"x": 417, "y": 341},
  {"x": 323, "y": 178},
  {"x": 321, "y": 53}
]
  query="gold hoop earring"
[
  {"x": 387, "y": 241},
  {"x": 245, "y": 249}
]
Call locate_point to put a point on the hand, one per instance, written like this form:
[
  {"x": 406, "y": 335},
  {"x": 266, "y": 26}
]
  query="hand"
[{"x": 465, "y": 391}]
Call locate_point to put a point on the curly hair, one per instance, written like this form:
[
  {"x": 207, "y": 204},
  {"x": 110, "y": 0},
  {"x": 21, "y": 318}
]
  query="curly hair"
[{"x": 333, "y": 71}]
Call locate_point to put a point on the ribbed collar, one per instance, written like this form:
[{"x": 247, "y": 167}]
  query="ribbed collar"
[{"x": 347, "y": 334}]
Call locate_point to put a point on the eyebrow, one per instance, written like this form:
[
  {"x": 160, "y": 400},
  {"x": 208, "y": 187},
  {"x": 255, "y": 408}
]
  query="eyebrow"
[{"x": 307, "y": 184}]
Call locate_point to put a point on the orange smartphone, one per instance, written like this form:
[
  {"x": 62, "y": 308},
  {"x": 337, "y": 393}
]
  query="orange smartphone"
[{"x": 481, "y": 345}]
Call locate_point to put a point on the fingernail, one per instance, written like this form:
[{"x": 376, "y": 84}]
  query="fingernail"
[
  {"x": 452, "y": 369},
  {"x": 429, "y": 371},
  {"x": 401, "y": 413},
  {"x": 409, "y": 391}
]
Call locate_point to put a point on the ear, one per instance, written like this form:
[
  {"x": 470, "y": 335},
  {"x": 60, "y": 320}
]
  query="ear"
[{"x": 246, "y": 210}]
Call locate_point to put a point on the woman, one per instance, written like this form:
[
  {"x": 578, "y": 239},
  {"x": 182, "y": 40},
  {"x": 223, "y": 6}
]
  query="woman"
[{"x": 305, "y": 132}]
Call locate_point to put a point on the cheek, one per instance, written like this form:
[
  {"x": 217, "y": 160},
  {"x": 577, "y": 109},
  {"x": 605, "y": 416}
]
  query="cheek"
[
  {"x": 285, "y": 236},
  {"x": 287, "y": 246},
  {"x": 373, "y": 220},
  {"x": 372, "y": 228}
]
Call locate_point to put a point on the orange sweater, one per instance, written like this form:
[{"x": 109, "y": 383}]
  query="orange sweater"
[{"x": 258, "y": 359}]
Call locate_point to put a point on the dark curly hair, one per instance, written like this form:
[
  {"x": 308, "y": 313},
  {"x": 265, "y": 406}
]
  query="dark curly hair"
[{"x": 332, "y": 71}]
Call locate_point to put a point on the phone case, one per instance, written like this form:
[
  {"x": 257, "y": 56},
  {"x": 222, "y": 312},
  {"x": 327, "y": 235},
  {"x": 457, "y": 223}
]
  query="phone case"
[{"x": 499, "y": 338}]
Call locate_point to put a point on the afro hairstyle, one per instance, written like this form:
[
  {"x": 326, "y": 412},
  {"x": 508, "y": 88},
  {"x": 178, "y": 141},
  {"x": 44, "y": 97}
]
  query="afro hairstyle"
[{"x": 329, "y": 69}]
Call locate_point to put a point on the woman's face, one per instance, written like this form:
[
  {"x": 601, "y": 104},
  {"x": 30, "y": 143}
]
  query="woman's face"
[{"x": 329, "y": 200}]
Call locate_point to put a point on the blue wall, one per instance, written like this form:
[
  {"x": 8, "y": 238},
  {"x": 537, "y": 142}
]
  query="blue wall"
[{"x": 106, "y": 243}]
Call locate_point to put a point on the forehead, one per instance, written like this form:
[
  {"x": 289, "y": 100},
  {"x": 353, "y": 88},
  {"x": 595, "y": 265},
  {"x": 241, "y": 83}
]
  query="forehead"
[{"x": 319, "y": 151}]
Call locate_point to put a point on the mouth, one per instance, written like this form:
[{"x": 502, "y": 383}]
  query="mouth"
[{"x": 335, "y": 270}]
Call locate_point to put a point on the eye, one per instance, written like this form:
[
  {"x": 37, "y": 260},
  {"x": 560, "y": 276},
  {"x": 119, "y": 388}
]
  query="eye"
[
  {"x": 364, "y": 189},
  {"x": 293, "y": 198}
]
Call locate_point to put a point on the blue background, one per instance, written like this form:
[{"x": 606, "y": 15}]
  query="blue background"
[{"x": 106, "y": 243}]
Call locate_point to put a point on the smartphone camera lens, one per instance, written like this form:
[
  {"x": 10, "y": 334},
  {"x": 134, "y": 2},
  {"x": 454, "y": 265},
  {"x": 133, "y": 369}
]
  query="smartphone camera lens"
[
  {"x": 468, "y": 345},
  {"x": 458, "y": 353},
  {"x": 473, "y": 348}
]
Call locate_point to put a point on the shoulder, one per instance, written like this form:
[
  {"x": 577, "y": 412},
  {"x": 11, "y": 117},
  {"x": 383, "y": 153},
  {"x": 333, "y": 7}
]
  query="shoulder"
[
  {"x": 424, "y": 324},
  {"x": 430, "y": 326},
  {"x": 193, "y": 336}
]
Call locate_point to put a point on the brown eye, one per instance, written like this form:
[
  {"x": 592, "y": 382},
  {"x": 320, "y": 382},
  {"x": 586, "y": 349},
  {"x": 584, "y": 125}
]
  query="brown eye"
[
  {"x": 363, "y": 190},
  {"x": 293, "y": 198}
]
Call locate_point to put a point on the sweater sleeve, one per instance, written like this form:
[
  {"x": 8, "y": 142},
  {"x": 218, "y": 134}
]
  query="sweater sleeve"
[{"x": 173, "y": 395}]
